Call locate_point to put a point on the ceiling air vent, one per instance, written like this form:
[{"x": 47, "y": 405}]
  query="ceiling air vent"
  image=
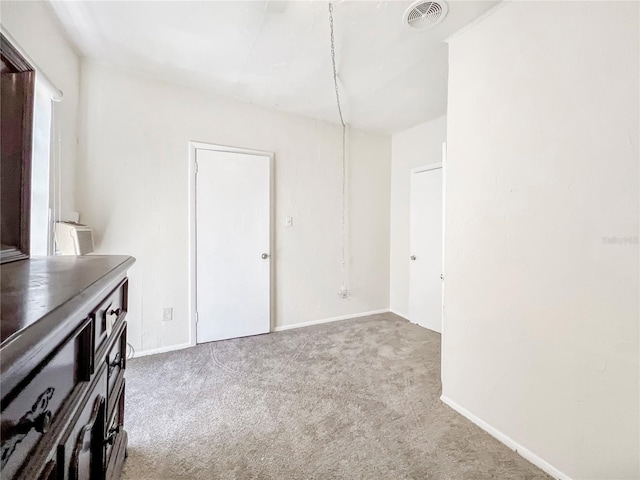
[{"x": 425, "y": 15}]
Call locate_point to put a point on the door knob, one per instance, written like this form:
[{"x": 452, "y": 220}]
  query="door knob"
[
  {"x": 413, "y": 257},
  {"x": 265, "y": 256}
]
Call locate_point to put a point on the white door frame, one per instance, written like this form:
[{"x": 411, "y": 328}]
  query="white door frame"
[
  {"x": 428, "y": 168},
  {"x": 444, "y": 238},
  {"x": 193, "y": 147}
]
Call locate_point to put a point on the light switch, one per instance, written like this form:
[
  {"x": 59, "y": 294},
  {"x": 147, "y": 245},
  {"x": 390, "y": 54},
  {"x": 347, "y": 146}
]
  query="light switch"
[{"x": 288, "y": 221}]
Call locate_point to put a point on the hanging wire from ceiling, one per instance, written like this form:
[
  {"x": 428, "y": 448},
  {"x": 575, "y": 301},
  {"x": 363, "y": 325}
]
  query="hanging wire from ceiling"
[
  {"x": 333, "y": 63},
  {"x": 343, "y": 292}
]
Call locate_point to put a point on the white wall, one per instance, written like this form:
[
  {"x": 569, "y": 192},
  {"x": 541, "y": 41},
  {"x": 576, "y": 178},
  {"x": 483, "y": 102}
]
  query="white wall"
[
  {"x": 35, "y": 28},
  {"x": 411, "y": 148},
  {"x": 132, "y": 188},
  {"x": 541, "y": 313}
]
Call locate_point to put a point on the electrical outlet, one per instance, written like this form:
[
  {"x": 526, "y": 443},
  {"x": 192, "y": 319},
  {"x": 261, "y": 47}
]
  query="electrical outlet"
[
  {"x": 288, "y": 221},
  {"x": 167, "y": 314},
  {"x": 343, "y": 292}
]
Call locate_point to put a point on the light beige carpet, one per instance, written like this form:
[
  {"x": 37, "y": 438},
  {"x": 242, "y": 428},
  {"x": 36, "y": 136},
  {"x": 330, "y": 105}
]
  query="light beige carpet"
[{"x": 357, "y": 399}]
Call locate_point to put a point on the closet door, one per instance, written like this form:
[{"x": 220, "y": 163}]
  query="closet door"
[
  {"x": 425, "y": 262},
  {"x": 233, "y": 258}
]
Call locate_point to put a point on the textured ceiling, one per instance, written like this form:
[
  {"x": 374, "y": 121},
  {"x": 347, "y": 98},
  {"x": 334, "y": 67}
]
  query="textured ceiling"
[{"x": 277, "y": 53}]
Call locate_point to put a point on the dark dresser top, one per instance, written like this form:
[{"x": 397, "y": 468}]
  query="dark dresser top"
[{"x": 33, "y": 289}]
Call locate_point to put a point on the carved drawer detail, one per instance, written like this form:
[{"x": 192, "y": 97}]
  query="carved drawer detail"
[{"x": 81, "y": 450}]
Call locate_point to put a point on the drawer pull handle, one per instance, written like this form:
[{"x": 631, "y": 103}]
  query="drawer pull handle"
[
  {"x": 115, "y": 312},
  {"x": 40, "y": 424},
  {"x": 38, "y": 419},
  {"x": 118, "y": 361},
  {"x": 112, "y": 434},
  {"x": 43, "y": 422}
]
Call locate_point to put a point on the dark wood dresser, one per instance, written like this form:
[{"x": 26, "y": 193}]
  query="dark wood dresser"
[{"x": 62, "y": 360}]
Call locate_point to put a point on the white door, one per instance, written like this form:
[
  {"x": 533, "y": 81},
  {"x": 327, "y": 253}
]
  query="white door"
[
  {"x": 425, "y": 246},
  {"x": 232, "y": 244}
]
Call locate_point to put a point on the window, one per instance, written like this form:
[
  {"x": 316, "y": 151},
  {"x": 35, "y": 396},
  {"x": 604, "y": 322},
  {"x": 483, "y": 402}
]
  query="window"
[{"x": 30, "y": 178}]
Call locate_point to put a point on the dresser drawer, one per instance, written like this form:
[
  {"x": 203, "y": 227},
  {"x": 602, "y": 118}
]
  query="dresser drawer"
[
  {"x": 106, "y": 315},
  {"x": 115, "y": 428},
  {"x": 29, "y": 414},
  {"x": 116, "y": 362},
  {"x": 80, "y": 454}
]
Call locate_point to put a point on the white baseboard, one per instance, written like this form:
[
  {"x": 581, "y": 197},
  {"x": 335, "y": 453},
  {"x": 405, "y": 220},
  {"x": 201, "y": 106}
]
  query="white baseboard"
[
  {"x": 153, "y": 351},
  {"x": 171, "y": 348},
  {"x": 508, "y": 441},
  {"x": 328, "y": 320},
  {"x": 403, "y": 315}
]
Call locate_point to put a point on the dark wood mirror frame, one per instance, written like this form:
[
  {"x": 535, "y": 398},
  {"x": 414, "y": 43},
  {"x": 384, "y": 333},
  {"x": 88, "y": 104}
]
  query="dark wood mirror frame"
[{"x": 17, "y": 87}]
